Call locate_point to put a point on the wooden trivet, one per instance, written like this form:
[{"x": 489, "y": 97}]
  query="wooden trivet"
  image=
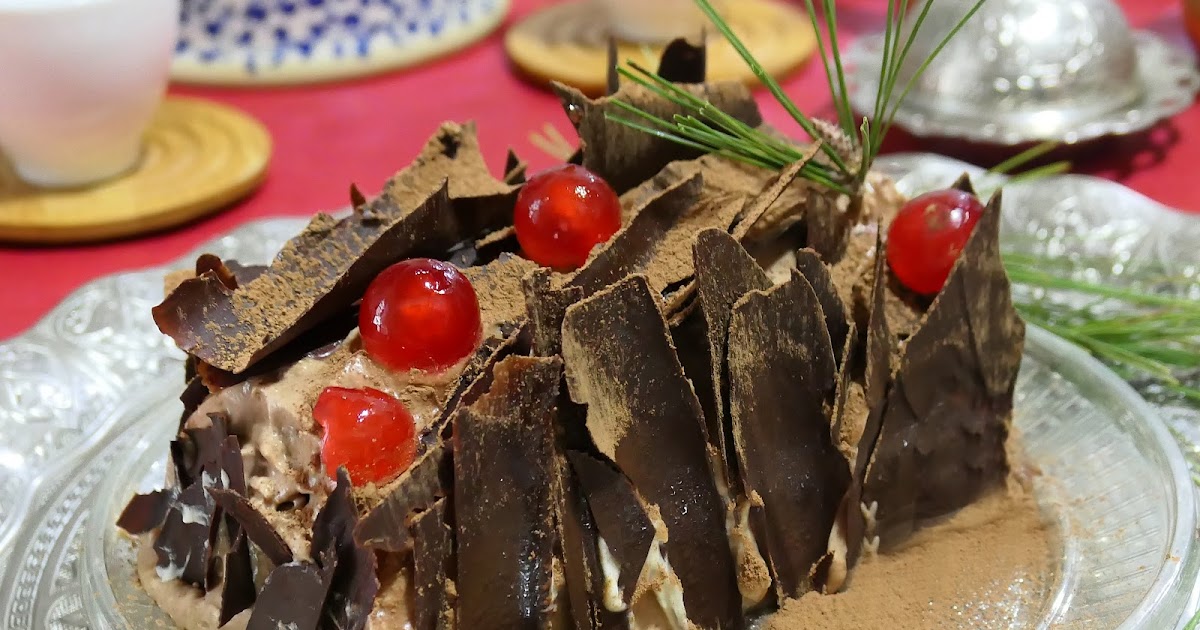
[
  {"x": 198, "y": 157},
  {"x": 568, "y": 43}
]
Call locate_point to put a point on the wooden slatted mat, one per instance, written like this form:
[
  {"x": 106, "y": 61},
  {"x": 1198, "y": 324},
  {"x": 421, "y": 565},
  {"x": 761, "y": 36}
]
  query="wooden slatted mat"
[
  {"x": 198, "y": 158},
  {"x": 568, "y": 42}
]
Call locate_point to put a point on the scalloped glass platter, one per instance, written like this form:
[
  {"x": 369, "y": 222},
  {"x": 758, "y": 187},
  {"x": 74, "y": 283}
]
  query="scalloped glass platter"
[{"x": 88, "y": 401}]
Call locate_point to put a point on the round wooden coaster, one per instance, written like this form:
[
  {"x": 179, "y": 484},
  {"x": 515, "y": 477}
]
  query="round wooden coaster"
[
  {"x": 568, "y": 43},
  {"x": 198, "y": 158}
]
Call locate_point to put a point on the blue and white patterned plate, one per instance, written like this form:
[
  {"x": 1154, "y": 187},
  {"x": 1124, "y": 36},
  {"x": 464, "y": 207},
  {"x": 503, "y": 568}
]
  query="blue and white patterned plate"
[{"x": 244, "y": 42}]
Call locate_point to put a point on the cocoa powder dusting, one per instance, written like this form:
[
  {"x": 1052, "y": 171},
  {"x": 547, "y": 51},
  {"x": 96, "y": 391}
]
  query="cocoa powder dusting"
[{"x": 988, "y": 566}]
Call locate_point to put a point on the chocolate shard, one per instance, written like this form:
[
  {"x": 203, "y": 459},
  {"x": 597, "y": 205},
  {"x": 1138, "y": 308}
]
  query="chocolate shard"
[
  {"x": 657, "y": 241},
  {"x": 684, "y": 62},
  {"x": 612, "y": 77},
  {"x": 184, "y": 547},
  {"x": 514, "y": 169},
  {"x": 211, "y": 263},
  {"x": 581, "y": 560},
  {"x": 475, "y": 379},
  {"x": 239, "y": 591},
  {"x": 752, "y": 225},
  {"x": 724, "y": 273},
  {"x": 433, "y": 569},
  {"x": 503, "y": 453},
  {"x": 827, "y": 223},
  {"x": 877, "y": 377},
  {"x": 546, "y": 307},
  {"x": 942, "y": 442},
  {"x": 964, "y": 184},
  {"x": 445, "y": 197},
  {"x": 354, "y": 584},
  {"x": 626, "y": 157},
  {"x": 619, "y": 516},
  {"x": 385, "y": 527},
  {"x": 197, "y": 447},
  {"x": 192, "y": 397},
  {"x": 292, "y": 597},
  {"x": 144, "y": 512},
  {"x": 781, "y": 380},
  {"x": 643, "y": 415},
  {"x": 818, "y": 276},
  {"x": 255, "y": 525},
  {"x": 358, "y": 201}
]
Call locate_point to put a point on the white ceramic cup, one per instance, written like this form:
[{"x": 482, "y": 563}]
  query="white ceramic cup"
[
  {"x": 655, "y": 21},
  {"x": 79, "y": 83}
]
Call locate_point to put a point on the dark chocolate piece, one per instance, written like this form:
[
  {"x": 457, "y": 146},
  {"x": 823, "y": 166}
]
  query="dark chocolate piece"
[
  {"x": 255, "y": 525},
  {"x": 211, "y": 263},
  {"x": 514, "y": 169},
  {"x": 239, "y": 590},
  {"x": 643, "y": 415},
  {"x": 724, "y": 273},
  {"x": 385, "y": 527},
  {"x": 612, "y": 78},
  {"x": 433, "y": 569},
  {"x": 781, "y": 380},
  {"x": 683, "y": 62},
  {"x": 827, "y": 224},
  {"x": 474, "y": 380},
  {"x": 581, "y": 561},
  {"x": 546, "y": 307},
  {"x": 184, "y": 545},
  {"x": 198, "y": 447},
  {"x": 620, "y": 518},
  {"x": 292, "y": 597},
  {"x": 766, "y": 201},
  {"x": 358, "y": 201},
  {"x": 354, "y": 585},
  {"x": 503, "y": 454},
  {"x": 328, "y": 266},
  {"x": 626, "y": 157},
  {"x": 942, "y": 443},
  {"x": 817, "y": 274},
  {"x": 145, "y": 512},
  {"x": 192, "y": 397}
]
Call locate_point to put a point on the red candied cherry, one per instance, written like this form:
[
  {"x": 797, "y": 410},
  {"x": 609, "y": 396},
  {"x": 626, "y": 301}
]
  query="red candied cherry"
[
  {"x": 927, "y": 236},
  {"x": 370, "y": 433},
  {"x": 420, "y": 314},
  {"x": 562, "y": 213}
]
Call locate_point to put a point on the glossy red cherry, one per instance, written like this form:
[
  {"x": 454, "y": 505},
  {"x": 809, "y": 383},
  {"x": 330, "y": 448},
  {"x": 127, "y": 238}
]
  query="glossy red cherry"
[
  {"x": 367, "y": 431},
  {"x": 420, "y": 314},
  {"x": 927, "y": 236},
  {"x": 562, "y": 213}
]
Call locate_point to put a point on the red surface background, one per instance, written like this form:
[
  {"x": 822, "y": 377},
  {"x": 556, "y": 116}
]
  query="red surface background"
[{"x": 328, "y": 136}]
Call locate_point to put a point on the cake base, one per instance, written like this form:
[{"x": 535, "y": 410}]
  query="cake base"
[
  {"x": 198, "y": 157},
  {"x": 568, "y": 43}
]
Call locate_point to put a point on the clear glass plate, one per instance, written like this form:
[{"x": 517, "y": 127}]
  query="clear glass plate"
[{"x": 88, "y": 402}]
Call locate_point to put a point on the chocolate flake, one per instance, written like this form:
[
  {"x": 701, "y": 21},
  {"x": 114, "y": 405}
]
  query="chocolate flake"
[
  {"x": 385, "y": 527},
  {"x": 765, "y": 202},
  {"x": 580, "y": 545},
  {"x": 328, "y": 266},
  {"x": 643, "y": 415},
  {"x": 144, "y": 512},
  {"x": 546, "y": 307},
  {"x": 239, "y": 591},
  {"x": 818, "y": 276},
  {"x": 724, "y": 273},
  {"x": 625, "y": 157},
  {"x": 781, "y": 373},
  {"x": 184, "y": 545},
  {"x": 292, "y": 597},
  {"x": 255, "y": 525},
  {"x": 942, "y": 443},
  {"x": 211, "y": 264},
  {"x": 619, "y": 516},
  {"x": 683, "y": 62},
  {"x": 433, "y": 569},
  {"x": 502, "y": 497},
  {"x": 514, "y": 169},
  {"x": 354, "y": 584}
]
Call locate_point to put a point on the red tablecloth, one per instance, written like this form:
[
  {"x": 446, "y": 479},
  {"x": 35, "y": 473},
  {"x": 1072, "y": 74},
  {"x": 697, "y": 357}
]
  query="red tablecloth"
[{"x": 331, "y": 135}]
